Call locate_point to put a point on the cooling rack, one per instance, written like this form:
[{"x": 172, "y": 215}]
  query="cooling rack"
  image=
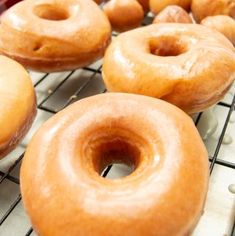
[{"x": 57, "y": 90}]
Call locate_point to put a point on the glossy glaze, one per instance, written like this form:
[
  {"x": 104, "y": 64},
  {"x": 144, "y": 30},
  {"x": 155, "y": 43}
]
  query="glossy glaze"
[
  {"x": 124, "y": 14},
  {"x": 17, "y": 104},
  {"x": 188, "y": 65},
  {"x": 173, "y": 14},
  {"x": 204, "y": 8},
  {"x": 208, "y": 124},
  {"x": 223, "y": 24},
  {"x": 156, "y": 6},
  {"x": 64, "y": 193},
  {"x": 53, "y": 35}
]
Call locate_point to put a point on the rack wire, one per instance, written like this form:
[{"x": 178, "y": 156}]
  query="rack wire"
[{"x": 92, "y": 84}]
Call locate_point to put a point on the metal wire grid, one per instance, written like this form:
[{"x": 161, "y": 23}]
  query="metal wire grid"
[
  {"x": 42, "y": 106},
  {"x": 78, "y": 94}
]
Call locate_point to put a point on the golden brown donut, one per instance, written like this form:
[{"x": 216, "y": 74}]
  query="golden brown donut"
[
  {"x": 188, "y": 65},
  {"x": 156, "y": 6},
  {"x": 124, "y": 14},
  {"x": 223, "y": 24},
  {"x": 173, "y": 14},
  {"x": 64, "y": 193},
  {"x": 204, "y": 8},
  {"x": 54, "y": 35},
  {"x": 17, "y": 104}
]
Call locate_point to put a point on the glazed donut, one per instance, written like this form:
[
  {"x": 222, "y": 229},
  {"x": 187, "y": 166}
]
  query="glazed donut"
[
  {"x": 124, "y": 14},
  {"x": 156, "y": 138},
  {"x": 156, "y": 6},
  {"x": 54, "y": 35},
  {"x": 203, "y": 8},
  {"x": 173, "y": 14},
  {"x": 188, "y": 65},
  {"x": 223, "y": 24},
  {"x": 17, "y": 104}
]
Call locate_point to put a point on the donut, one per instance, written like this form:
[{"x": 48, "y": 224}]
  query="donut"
[
  {"x": 63, "y": 191},
  {"x": 188, "y": 65},
  {"x": 156, "y": 6},
  {"x": 17, "y": 104},
  {"x": 53, "y": 35},
  {"x": 223, "y": 24},
  {"x": 203, "y": 8},
  {"x": 173, "y": 14},
  {"x": 124, "y": 15}
]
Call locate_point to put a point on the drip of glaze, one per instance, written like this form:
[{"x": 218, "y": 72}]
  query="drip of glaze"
[
  {"x": 208, "y": 124},
  {"x": 227, "y": 139},
  {"x": 231, "y": 188},
  {"x": 232, "y": 118}
]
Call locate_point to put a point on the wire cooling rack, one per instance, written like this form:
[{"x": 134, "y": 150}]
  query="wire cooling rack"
[{"x": 57, "y": 90}]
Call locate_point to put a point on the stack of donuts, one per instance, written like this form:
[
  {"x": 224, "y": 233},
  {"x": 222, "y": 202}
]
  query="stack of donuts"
[{"x": 183, "y": 63}]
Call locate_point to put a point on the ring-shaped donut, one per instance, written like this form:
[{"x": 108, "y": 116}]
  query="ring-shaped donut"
[
  {"x": 64, "y": 193},
  {"x": 54, "y": 35},
  {"x": 188, "y": 65}
]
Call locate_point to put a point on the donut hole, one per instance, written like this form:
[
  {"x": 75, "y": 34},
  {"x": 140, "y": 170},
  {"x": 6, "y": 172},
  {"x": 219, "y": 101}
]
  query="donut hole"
[
  {"x": 117, "y": 171},
  {"x": 117, "y": 152},
  {"x": 167, "y": 47},
  {"x": 51, "y": 12}
]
